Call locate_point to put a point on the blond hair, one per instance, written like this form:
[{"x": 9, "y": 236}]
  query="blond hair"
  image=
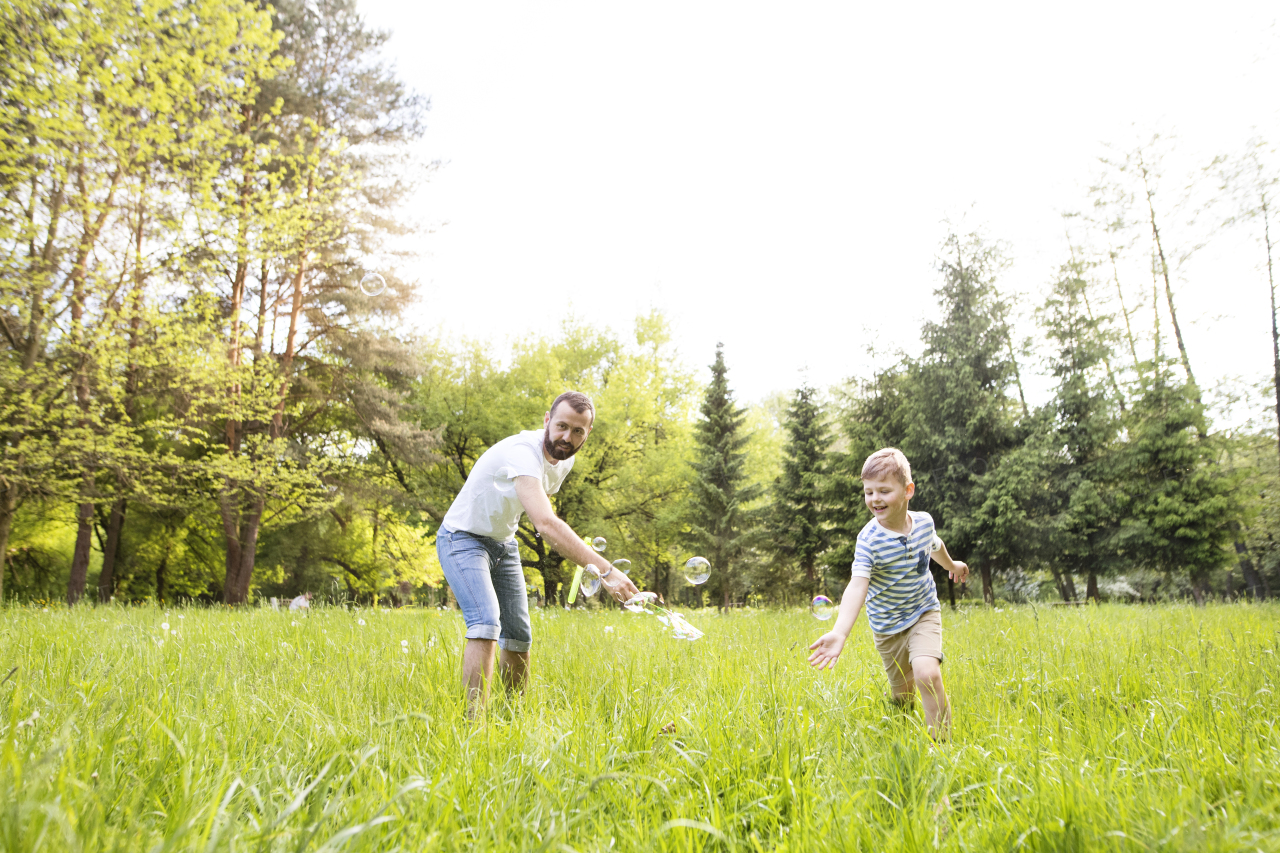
[{"x": 887, "y": 462}]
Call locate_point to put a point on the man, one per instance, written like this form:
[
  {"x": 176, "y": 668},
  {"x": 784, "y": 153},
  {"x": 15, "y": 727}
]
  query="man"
[{"x": 478, "y": 549}]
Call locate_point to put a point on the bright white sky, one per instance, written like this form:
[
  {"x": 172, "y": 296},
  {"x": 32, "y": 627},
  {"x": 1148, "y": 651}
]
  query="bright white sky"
[{"x": 777, "y": 177}]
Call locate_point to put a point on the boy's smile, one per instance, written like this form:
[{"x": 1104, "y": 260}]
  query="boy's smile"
[{"x": 887, "y": 500}]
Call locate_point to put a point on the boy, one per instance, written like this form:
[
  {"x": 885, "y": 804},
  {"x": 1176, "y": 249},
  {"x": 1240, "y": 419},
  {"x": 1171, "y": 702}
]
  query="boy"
[{"x": 891, "y": 575}]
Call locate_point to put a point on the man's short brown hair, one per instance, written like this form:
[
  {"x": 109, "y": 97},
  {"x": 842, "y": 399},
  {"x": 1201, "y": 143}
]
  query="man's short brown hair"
[
  {"x": 885, "y": 463},
  {"x": 577, "y": 401}
]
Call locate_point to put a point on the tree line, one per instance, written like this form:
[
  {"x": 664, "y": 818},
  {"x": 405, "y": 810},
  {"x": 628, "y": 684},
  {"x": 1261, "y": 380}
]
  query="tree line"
[{"x": 200, "y": 401}]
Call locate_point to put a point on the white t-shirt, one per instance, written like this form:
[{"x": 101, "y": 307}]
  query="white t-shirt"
[
  {"x": 299, "y": 603},
  {"x": 487, "y": 504}
]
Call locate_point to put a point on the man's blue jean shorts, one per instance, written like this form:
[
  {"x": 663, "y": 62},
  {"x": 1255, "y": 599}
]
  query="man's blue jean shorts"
[{"x": 486, "y": 578}]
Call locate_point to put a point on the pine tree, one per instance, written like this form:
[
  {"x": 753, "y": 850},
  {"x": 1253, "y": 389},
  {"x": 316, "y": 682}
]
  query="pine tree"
[
  {"x": 1180, "y": 506},
  {"x": 722, "y": 525},
  {"x": 798, "y": 531},
  {"x": 960, "y": 418}
]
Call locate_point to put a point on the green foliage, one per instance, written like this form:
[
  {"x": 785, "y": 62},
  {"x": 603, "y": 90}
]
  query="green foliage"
[
  {"x": 723, "y": 524},
  {"x": 797, "y": 527}
]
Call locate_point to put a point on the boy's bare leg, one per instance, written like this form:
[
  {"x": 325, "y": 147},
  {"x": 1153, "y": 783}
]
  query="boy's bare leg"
[
  {"x": 514, "y": 667},
  {"x": 937, "y": 710},
  {"x": 477, "y": 670},
  {"x": 904, "y": 693}
]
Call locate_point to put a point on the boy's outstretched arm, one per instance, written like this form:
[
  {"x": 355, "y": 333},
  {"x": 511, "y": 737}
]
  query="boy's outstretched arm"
[
  {"x": 826, "y": 649},
  {"x": 958, "y": 571}
]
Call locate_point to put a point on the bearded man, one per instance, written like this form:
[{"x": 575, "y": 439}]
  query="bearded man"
[{"x": 479, "y": 552}]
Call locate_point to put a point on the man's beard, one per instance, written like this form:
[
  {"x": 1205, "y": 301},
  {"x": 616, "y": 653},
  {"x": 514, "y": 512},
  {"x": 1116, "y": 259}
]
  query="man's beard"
[{"x": 558, "y": 452}]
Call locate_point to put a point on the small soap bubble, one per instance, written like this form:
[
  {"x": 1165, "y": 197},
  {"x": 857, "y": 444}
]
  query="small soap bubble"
[
  {"x": 822, "y": 608},
  {"x": 504, "y": 480},
  {"x": 697, "y": 570},
  {"x": 599, "y": 544},
  {"x": 373, "y": 284},
  {"x": 623, "y": 565}
]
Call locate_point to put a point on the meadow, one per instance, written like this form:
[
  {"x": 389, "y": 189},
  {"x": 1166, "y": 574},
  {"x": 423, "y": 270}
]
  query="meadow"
[{"x": 1092, "y": 728}]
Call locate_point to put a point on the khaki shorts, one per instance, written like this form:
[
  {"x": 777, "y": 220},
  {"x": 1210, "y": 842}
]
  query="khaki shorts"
[{"x": 897, "y": 651}]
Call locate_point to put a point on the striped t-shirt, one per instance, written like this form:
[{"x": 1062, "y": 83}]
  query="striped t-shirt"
[{"x": 897, "y": 565}]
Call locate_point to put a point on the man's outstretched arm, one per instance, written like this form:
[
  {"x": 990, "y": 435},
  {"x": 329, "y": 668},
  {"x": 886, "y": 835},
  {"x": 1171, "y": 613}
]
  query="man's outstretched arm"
[{"x": 560, "y": 536}]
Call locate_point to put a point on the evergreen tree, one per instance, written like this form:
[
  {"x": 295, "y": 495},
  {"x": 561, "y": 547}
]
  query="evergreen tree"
[
  {"x": 798, "y": 531},
  {"x": 959, "y": 418},
  {"x": 722, "y": 525},
  {"x": 1180, "y": 508}
]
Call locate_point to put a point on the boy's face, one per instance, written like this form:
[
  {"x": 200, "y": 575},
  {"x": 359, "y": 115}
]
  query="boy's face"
[{"x": 887, "y": 499}]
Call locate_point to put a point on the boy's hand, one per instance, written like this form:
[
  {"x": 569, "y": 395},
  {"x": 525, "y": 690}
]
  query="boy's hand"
[
  {"x": 959, "y": 571},
  {"x": 826, "y": 650}
]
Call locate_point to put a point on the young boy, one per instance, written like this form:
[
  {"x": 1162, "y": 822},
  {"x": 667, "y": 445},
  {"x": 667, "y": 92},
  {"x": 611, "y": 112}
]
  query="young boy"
[{"x": 891, "y": 575}]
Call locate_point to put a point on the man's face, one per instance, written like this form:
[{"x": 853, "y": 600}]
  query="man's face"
[
  {"x": 887, "y": 499},
  {"x": 566, "y": 430}
]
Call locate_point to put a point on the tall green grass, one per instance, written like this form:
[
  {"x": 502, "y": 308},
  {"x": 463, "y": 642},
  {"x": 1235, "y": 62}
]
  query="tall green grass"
[{"x": 1098, "y": 728}]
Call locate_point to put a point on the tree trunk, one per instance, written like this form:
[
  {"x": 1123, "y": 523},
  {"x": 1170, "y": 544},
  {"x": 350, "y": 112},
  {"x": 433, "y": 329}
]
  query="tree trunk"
[
  {"x": 1256, "y": 583},
  {"x": 1091, "y": 587},
  {"x": 250, "y": 524},
  {"x": 111, "y": 550},
  {"x": 1066, "y": 585},
  {"x": 162, "y": 572},
  {"x": 988, "y": 588},
  {"x": 1168, "y": 286},
  {"x": 6, "y": 524},
  {"x": 1275, "y": 332},
  {"x": 80, "y": 559}
]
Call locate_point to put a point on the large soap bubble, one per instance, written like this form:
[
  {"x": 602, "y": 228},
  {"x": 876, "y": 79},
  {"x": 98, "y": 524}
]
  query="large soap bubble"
[
  {"x": 697, "y": 570},
  {"x": 590, "y": 583},
  {"x": 599, "y": 544},
  {"x": 373, "y": 284},
  {"x": 623, "y": 565},
  {"x": 822, "y": 608}
]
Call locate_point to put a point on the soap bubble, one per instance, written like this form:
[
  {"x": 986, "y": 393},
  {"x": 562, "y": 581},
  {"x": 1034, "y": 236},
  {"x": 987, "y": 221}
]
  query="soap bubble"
[
  {"x": 682, "y": 630},
  {"x": 599, "y": 544},
  {"x": 504, "y": 480},
  {"x": 822, "y": 608},
  {"x": 373, "y": 284},
  {"x": 590, "y": 583},
  {"x": 640, "y": 602},
  {"x": 623, "y": 566},
  {"x": 697, "y": 570}
]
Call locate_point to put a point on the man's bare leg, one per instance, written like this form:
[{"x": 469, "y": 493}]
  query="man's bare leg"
[
  {"x": 477, "y": 670},
  {"x": 937, "y": 710},
  {"x": 514, "y": 668}
]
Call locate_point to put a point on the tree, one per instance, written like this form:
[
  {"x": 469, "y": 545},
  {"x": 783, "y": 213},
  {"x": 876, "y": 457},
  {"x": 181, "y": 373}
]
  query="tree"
[
  {"x": 301, "y": 205},
  {"x": 958, "y": 418},
  {"x": 89, "y": 120},
  {"x": 1182, "y": 509},
  {"x": 722, "y": 524},
  {"x": 798, "y": 531}
]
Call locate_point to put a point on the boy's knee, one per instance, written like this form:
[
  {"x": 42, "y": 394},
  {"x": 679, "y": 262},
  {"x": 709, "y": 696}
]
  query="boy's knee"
[{"x": 927, "y": 671}]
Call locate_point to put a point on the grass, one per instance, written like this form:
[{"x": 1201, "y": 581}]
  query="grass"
[{"x": 1095, "y": 728}]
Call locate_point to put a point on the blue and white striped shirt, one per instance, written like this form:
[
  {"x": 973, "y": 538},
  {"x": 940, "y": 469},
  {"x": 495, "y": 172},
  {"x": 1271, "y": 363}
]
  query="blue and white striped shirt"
[{"x": 901, "y": 586}]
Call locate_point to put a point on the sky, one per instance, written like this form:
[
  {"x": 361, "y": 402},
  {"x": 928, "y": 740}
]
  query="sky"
[{"x": 780, "y": 177}]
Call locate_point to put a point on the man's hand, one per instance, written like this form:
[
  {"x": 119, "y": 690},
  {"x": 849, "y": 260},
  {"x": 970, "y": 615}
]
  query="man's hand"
[
  {"x": 959, "y": 571},
  {"x": 618, "y": 585},
  {"x": 826, "y": 650}
]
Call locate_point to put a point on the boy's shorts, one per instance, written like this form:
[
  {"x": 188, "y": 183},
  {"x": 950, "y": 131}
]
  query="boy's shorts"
[{"x": 922, "y": 638}]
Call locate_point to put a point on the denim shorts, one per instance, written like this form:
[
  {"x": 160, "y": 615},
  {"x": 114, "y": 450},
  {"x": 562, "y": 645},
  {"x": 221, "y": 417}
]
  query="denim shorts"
[{"x": 488, "y": 581}]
